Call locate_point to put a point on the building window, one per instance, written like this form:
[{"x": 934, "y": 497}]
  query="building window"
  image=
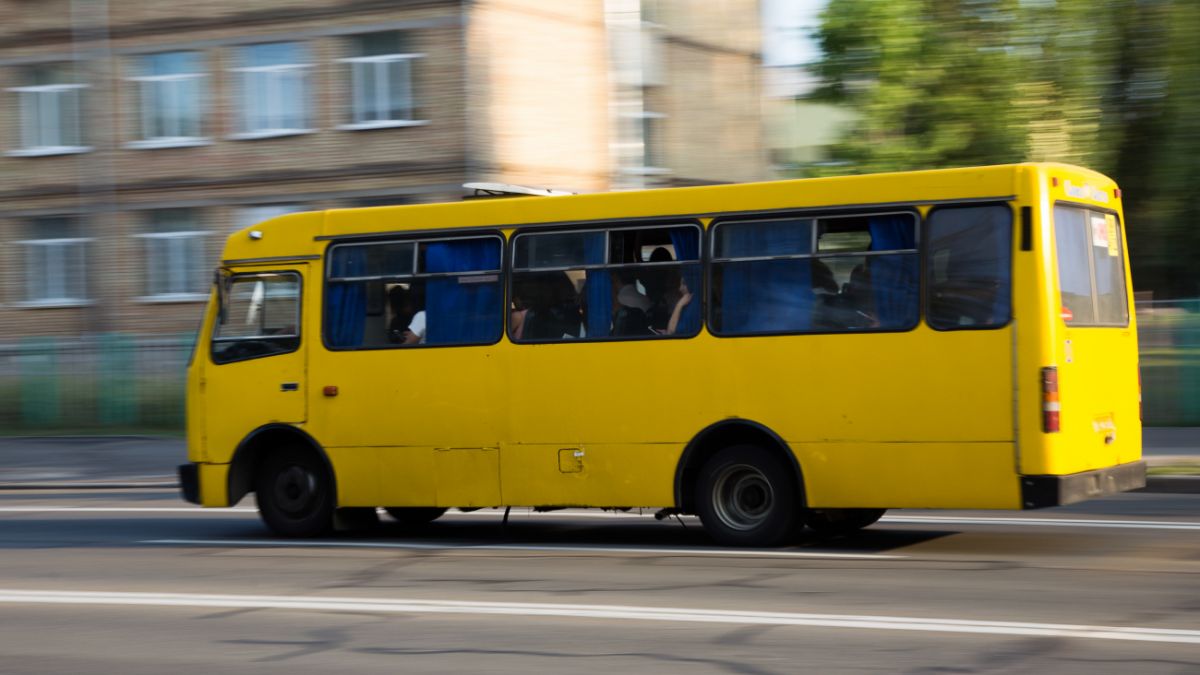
[
  {"x": 274, "y": 89},
  {"x": 55, "y": 263},
  {"x": 49, "y": 100},
  {"x": 170, "y": 94},
  {"x": 176, "y": 266},
  {"x": 381, "y": 77},
  {"x": 253, "y": 215}
]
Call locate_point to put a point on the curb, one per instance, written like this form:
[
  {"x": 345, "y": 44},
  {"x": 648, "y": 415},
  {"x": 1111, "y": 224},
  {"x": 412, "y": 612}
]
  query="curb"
[
  {"x": 127, "y": 484},
  {"x": 1179, "y": 485}
]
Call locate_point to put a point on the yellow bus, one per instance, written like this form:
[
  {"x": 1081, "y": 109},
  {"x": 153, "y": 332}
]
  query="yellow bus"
[{"x": 766, "y": 356}]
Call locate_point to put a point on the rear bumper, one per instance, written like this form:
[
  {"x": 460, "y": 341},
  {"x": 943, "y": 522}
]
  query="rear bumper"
[
  {"x": 1038, "y": 492},
  {"x": 189, "y": 482}
]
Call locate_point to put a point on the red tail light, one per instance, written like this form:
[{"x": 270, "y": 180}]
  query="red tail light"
[
  {"x": 1050, "y": 406},
  {"x": 1139, "y": 393}
]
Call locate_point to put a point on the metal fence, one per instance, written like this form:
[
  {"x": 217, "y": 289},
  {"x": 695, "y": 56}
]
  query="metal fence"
[
  {"x": 123, "y": 383},
  {"x": 1169, "y": 340},
  {"x": 102, "y": 383}
]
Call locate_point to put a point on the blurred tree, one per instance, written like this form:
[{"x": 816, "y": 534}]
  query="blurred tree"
[{"x": 1109, "y": 84}]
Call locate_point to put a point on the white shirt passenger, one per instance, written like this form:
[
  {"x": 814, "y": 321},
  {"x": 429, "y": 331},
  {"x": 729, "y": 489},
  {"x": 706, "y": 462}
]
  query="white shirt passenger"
[{"x": 417, "y": 326}]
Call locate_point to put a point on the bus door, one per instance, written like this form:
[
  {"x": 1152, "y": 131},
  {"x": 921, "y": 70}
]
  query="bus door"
[
  {"x": 1096, "y": 355},
  {"x": 256, "y": 368}
]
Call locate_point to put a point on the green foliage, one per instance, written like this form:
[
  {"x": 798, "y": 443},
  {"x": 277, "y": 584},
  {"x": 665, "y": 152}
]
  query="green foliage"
[{"x": 1109, "y": 84}]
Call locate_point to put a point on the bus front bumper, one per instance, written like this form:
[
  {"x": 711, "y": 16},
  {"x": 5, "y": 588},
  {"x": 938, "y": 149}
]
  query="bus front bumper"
[
  {"x": 189, "y": 482},
  {"x": 1038, "y": 492}
]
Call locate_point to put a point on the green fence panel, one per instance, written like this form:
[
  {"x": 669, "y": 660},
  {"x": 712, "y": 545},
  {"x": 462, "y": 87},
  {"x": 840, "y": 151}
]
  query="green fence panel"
[
  {"x": 39, "y": 376},
  {"x": 117, "y": 385}
]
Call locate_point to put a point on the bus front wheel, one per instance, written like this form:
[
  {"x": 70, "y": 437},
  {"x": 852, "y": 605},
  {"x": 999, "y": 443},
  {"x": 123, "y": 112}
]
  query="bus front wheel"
[
  {"x": 746, "y": 496},
  {"x": 833, "y": 522},
  {"x": 294, "y": 494}
]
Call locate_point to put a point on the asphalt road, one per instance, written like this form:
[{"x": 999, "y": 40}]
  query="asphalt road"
[{"x": 139, "y": 582}]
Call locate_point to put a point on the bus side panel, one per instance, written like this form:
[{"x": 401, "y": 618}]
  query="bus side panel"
[
  {"x": 590, "y": 475},
  {"x": 920, "y": 386},
  {"x": 357, "y": 472},
  {"x": 910, "y": 475}
]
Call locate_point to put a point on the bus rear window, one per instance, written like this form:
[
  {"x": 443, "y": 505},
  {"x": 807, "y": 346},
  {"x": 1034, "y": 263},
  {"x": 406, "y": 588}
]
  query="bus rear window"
[{"x": 1091, "y": 267}]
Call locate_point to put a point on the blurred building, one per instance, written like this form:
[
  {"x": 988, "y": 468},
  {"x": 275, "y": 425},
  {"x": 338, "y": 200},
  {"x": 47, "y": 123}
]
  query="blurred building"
[
  {"x": 800, "y": 131},
  {"x": 135, "y": 135}
]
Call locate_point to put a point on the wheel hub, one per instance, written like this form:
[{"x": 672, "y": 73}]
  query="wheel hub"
[
  {"x": 295, "y": 489},
  {"x": 743, "y": 497}
]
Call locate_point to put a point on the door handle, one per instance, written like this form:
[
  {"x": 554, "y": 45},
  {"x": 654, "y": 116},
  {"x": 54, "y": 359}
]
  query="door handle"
[{"x": 289, "y": 386}]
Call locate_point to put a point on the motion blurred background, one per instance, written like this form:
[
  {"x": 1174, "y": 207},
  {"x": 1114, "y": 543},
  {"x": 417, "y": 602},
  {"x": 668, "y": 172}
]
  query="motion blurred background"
[{"x": 136, "y": 135}]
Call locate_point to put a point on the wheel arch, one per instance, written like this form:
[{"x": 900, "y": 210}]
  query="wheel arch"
[
  {"x": 257, "y": 444},
  {"x": 713, "y": 438}
]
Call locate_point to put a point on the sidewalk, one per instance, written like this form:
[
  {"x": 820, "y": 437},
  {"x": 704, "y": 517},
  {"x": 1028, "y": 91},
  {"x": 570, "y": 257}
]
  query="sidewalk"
[
  {"x": 149, "y": 461},
  {"x": 90, "y": 461}
]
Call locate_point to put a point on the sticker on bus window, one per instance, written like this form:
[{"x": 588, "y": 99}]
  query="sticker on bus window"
[
  {"x": 1099, "y": 231},
  {"x": 1114, "y": 242}
]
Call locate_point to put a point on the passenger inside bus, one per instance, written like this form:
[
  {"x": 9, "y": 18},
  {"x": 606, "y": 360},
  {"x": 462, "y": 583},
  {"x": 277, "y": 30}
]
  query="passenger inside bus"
[
  {"x": 415, "y": 333},
  {"x": 547, "y": 308},
  {"x": 633, "y": 307}
]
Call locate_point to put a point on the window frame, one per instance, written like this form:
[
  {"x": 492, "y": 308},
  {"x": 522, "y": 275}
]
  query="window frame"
[
  {"x": 57, "y": 243},
  {"x": 382, "y": 62},
  {"x": 34, "y": 132},
  {"x": 222, "y": 297},
  {"x": 699, "y": 295},
  {"x": 276, "y": 111},
  {"x": 815, "y": 215},
  {"x": 146, "y": 84},
  {"x": 425, "y": 237},
  {"x": 148, "y": 238},
  {"x": 927, "y": 262},
  {"x": 1092, "y": 265}
]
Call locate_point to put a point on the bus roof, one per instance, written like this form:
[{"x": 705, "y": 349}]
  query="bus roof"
[{"x": 306, "y": 234}]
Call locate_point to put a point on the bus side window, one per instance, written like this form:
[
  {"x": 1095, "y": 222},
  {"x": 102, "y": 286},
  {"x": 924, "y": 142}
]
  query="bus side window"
[
  {"x": 623, "y": 282},
  {"x": 828, "y": 274},
  {"x": 430, "y": 292},
  {"x": 969, "y": 267}
]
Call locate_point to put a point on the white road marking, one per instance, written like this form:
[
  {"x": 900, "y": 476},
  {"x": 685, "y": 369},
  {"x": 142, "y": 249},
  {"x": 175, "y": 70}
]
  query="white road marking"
[
  {"x": 648, "y": 514},
  {"x": 1044, "y": 522},
  {"x": 673, "y": 614},
  {"x": 124, "y": 509},
  {"x": 566, "y": 548}
]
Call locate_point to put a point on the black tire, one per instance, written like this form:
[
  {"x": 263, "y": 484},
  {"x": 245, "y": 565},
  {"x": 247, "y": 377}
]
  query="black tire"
[
  {"x": 834, "y": 522},
  {"x": 295, "y": 493},
  {"x": 412, "y": 516},
  {"x": 748, "y": 496}
]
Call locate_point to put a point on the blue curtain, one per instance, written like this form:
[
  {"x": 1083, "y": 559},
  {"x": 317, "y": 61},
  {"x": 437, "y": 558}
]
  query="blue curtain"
[
  {"x": 894, "y": 278},
  {"x": 346, "y": 305},
  {"x": 686, "y": 241},
  {"x": 599, "y": 289},
  {"x": 458, "y": 313},
  {"x": 770, "y": 295}
]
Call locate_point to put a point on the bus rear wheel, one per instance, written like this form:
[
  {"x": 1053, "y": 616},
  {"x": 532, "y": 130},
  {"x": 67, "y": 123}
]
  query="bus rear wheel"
[
  {"x": 294, "y": 494},
  {"x": 746, "y": 496},
  {"x": 833, "y": 522},
  {"x": 411, "y": 516}
]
